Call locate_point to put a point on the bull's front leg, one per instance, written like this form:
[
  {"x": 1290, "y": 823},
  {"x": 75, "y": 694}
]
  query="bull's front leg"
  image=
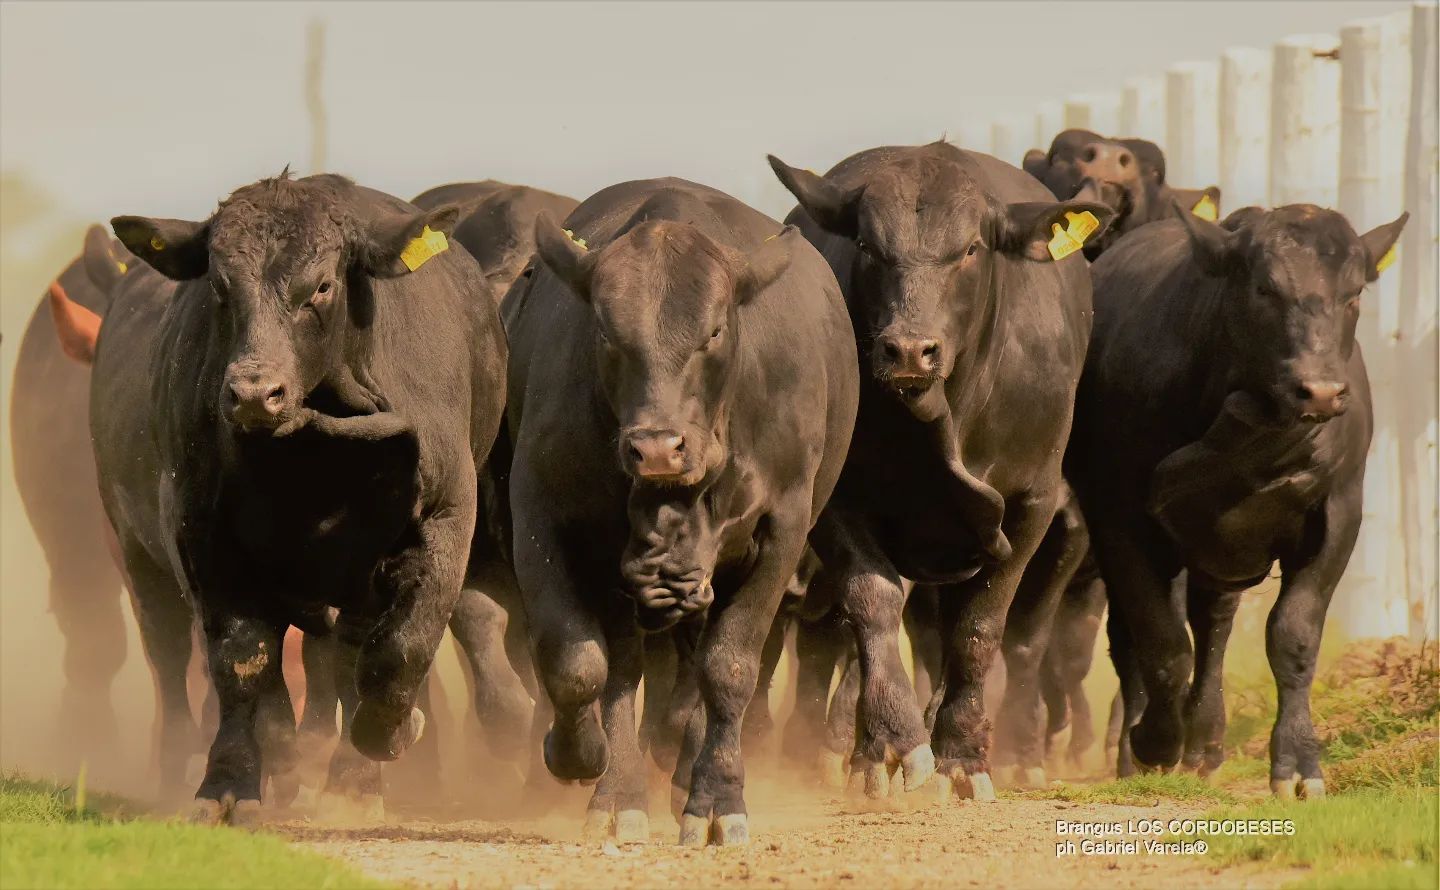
[
  {"x": 1292, "y": 639},
  {"x": 1028, "y": 626},
  {"x": 972, "y": 618},
  {"x": 618, "y": 807},
  {"x": 728, "y": 665},
  {"x": 421, "y": 583},
  {"x": 244, "y": 659},
  {"x": 889, "y": 723}
]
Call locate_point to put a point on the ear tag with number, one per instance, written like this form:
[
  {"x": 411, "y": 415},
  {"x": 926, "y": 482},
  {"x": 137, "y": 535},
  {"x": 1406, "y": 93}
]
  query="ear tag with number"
[
  {"x": 1387, "y": 260},
  {"x": 429, "y": 243},
  {"x": 1065, "y": 242},
  {"x": 580, "y": 241},
  {"x": 1205, "y": 209}
]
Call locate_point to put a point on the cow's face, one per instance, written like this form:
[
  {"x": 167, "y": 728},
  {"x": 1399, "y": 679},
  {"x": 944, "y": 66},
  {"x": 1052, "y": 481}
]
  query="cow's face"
[
  {"x": 288, "y": 264},
  {"x": 1297, "y": 274},
  {"x": 928, "y": 245},
  {"x": 1086, "y": 166},
  {"x": 665, "y": 300}
]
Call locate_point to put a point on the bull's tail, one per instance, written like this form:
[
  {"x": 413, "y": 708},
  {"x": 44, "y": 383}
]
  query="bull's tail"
[{"x": 76, "y": 326}]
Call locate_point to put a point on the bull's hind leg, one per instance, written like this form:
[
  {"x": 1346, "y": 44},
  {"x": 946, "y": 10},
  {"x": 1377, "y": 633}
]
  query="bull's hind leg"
[
  {"x": 353, "y": 786},
  {"x": 501, "y": 700},
  {"x": 889, "y": 724},
  {"x": 1212, "y": 613},
  {"x": 166, "y": 618},
  {"x": 318, "y": 734},
  {"x": 1292, "y": 639},
  {"x": 85, "y": 598},
  {"x": 1138, "y": 568},
  {"x": 818, "y": 644}
]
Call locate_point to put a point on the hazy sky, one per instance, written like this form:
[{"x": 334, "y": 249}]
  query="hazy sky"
[{"x": 161, "y": 108}]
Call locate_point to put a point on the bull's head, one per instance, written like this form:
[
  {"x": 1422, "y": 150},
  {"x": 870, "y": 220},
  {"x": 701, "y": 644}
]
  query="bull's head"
[
  {"x": 288, "y": 264},
  {"x": 666, "y": 327},
  {"x": 1295, "y": 277},
  {"x": 928, "y": 242}
]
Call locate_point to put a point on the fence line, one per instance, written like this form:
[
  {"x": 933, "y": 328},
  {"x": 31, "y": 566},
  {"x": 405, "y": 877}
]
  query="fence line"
[{"x": 1345, "y": 121}]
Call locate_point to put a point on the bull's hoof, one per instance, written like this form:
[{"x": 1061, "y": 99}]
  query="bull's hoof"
[
  {"x": 577, "y": 761},
  {"x": 1284, "y": 788},
  {"x": 599, "y": 825},
  {"x": 1147, "y": 769},
  {"x": 225, "y": 811},
  {"x": 722, "y": 831},
  {"x": 877, "y": 781},
  {"x": 632, "y": 827},
  {"x": 1032, "y": 777},
  {"x": 207, "y": 812},
  {"x": 694, "y": 830},
  {"x": 917, "y": 766},
  {"x": 341, "y": 809},
  {"x": 834, "y": 769},
  {"x": 1312, "y": 789},
  {"x": 957, "y": 784},
  {"x": 306, "y": 798},
  {"x": 379, "y": 737}
]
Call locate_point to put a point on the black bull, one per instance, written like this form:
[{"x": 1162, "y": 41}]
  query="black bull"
[
  {"x": 269, "y": 398},
  {"x": 682, "y": 394}
]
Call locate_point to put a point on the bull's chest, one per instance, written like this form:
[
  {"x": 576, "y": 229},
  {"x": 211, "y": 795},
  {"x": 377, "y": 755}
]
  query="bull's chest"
[
  {"x": 313, "y": 524},
  {"x": 1230, "y": 512}
]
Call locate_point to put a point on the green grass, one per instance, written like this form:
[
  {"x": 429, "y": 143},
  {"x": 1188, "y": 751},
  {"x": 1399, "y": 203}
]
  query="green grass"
[
  {"x": 1140, "y": 791},
  {"x": 47, "y": 842},
  {"x": 1365, "y": 838}
]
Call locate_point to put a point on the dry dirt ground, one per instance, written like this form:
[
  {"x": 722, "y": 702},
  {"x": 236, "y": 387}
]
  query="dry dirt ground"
[{"x": 803, "y": 838}]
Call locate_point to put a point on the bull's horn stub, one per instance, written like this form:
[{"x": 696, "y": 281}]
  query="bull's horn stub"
[
  {"x": 1387, "y": 260},
  {"x": 429, "y": 243},
  {"x": 1205, "y": 209},
  {"x": 1065, "y": 242}
]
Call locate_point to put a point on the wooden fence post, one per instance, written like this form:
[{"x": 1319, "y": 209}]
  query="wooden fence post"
[
  {"x": 1371, "y": 600},
  {"x": 1418, "y": 353},
  {"x": 1097, "y": 112},
  {"x": 1142, "y": 109},
  {"x": 1011, "y": 137},
  {"x": 1305, "y": 122},
  {"x": 1049, "y": 121},
  {"x": 1192, "y": 115},
  {"x": 1244, "y": 128}
]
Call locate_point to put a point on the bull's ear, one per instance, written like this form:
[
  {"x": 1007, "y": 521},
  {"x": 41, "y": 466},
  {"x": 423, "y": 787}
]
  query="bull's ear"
[
  {"x": 570, "y": 260},
  {"x": 1036, "y": 163},
  {"x": 176, "y": 248},
  {"x": 1044, "y": 232},
  {"x": 399, "y": 243},
  {"x": 834, "y": 209},
  {"x": 1215, "y": 247},
  {"x": 101, "y": 265},
  {"x": 766, "y": 263},
  {"x": 1204, "y": 203},
  {"x": 1380, "y": 246}
]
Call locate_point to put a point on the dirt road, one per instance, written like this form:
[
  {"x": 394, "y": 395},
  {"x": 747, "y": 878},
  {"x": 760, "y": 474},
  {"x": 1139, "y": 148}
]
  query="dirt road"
[{"x": 803, "y": 839}]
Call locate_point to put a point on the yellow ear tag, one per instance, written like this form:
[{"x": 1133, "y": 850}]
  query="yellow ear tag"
[
  {"x": 1206, "y": 209},
  {"x": 1387, "y": 260},
  {"x": 430, "y": 243},
  {"x": 123, "y": 268},
  {"x": 580, "y": 241},
  {"x": 1072, "y": 238},
  {"x": 157, "y": 243}
]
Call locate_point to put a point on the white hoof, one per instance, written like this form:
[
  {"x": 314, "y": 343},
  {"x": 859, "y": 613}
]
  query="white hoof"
[
  {"x": 1284, "y": 788},
  {"x": 1312, "y": 789},
  {"x": 918, "y": 766},
  {"x": 632, "y": 827},
  {"x": 733, "y": 830},
  {"x": 598, "y": 825},
  {"x": 834, "y": 769},
  {"x": 694, "y": 831},
  {"x": 877, "y": 781},
  {"x": 981, "y": 788}
]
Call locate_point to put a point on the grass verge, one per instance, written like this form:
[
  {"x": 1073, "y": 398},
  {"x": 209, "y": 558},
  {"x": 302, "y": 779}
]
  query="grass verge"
[
  {"x": 1136, "y": 791},
  {"x": 46, "y": 841}
]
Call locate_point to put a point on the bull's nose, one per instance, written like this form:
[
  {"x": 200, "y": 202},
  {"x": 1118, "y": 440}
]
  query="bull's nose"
[
  {"x": 652, "y": 453},
  {"x": 909, "y": 356},
  {"x": 1107, "y": 155},
  {"x": 256, "y": 402},
  {"x": 1322, "y": 399}
]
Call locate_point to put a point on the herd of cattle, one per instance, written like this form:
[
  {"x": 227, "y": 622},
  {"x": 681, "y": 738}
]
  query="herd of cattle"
[{"x": 648, "y": 434}]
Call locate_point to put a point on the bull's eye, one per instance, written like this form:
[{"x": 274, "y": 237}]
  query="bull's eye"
[
  {"x": 715, "y": 334},
  {"x": 324, "y": 288},
  {"x": 973, "y": 249}
]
